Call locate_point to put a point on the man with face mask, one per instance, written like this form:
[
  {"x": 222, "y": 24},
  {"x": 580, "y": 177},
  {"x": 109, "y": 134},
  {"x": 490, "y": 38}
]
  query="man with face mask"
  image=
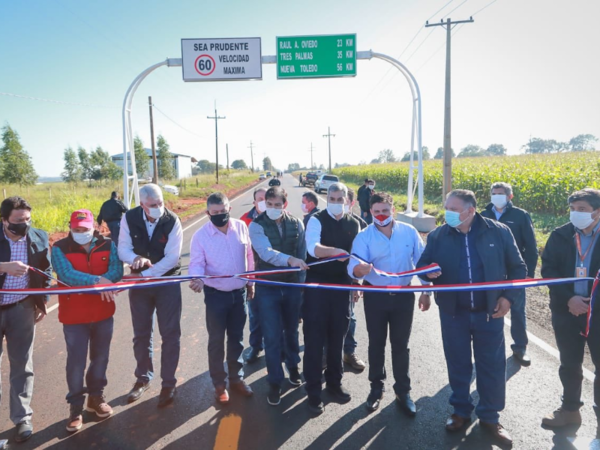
[
  {"x": 256, "y": 337},
  {"x": 390, "y": 246},
  {"x": 364, "y": 197},
  {"x": 21, "y": 246},
  {"x": 573, "y": 250},
  {"x": 309, "y": 206},
  {"x": 472, "y": 249},
  {"x": 278, "y": 241},
  {"x": 222, "y": 247},
  {"x": 518, "y": 220},
  {"x": 150, "y": 242},
  {"x": 86, "y": 258},
  {"x": 326, "y": 313}
]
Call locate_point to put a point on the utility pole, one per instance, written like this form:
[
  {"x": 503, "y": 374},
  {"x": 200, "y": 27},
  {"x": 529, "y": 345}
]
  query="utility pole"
[
  {"x": 227, "y": 150},
  {"x": 312, "y": 166},
  {"x": 154, "y": 163},
  {"x": 447, "y": 186},
  {"x": 328, "y": 136},
  {"x": 216, "y": 117},
  {"x": 251, "y": 156}
]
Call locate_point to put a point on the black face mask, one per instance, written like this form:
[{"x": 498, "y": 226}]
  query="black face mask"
[
  {"x": 220, "y": 220},
  {"x": 19, "y": 229}
]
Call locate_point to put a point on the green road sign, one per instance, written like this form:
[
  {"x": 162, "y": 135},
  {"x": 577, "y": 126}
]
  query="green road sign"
[{"x": 316, "y": 56}]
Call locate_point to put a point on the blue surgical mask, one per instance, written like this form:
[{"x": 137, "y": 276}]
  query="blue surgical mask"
[{"x": 453, "y": 218}]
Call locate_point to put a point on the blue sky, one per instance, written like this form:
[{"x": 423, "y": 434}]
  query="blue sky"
[{"x": 523, "y": 68}]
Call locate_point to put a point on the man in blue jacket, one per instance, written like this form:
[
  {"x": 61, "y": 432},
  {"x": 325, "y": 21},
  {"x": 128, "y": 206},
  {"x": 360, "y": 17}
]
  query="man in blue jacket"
[
  {"x": 21, "y": 247},
  {"x": 518, "y": 220},
  {"x": 472, "y": 249}
]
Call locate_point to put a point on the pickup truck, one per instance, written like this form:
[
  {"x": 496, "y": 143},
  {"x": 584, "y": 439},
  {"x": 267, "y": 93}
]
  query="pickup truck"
[{"x": 309, "y": 179}]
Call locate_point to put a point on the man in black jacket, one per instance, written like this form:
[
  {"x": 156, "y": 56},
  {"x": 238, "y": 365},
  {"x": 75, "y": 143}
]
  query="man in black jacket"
[
  {"x": 21, "y": 246},
  {"x": 519, "y": 222},
  {"x": 573, "y": 250},
  {"x": 472, "y": 249},
  {"x": 364, "y": 196},
  {"x": 111, "y": 212}
]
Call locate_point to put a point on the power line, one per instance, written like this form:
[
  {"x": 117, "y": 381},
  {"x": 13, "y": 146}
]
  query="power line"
[
  {"x": 180, "y": 126},
  {"x": 448, "y": 14},
  {"x": 478, "y": 11},
  {"x": 458, "y": 28},
  {"x": 417, "y": 49},
  {"x": 435, "y": 13},
  {"x": 59, "y": 102}
]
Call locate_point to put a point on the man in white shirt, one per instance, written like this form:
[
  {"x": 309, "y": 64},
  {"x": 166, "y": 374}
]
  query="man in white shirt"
[{"x": 150, "y": 242}]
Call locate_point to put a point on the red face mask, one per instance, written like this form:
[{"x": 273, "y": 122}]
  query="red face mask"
[{"x": 382, "y": 220}]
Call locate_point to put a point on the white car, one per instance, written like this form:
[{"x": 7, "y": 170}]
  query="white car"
[
  {"x": 171, "y": 189},
  {"x": 262, "y": 176},
  {"x": 324, "y": 181}
]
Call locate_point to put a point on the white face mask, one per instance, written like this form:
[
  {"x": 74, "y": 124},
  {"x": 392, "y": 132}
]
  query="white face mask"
[
  {"x": 499, "y": 200},
  {"x": 581, "y": 219},
  {"x": 83, "y": 238},
  {"x": 261, "y": 206},
  {"x": 335, "y": 208},
  {"x": 346, "y": 208},
  {"x": 274, "y": 213},
  {"x": 371, "y": 186},
  {"x": 304, "y": 208},
  {"x": 156, "y": 213}
]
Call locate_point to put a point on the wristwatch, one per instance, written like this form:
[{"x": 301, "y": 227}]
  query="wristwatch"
[{"x": 97, "y": 280}]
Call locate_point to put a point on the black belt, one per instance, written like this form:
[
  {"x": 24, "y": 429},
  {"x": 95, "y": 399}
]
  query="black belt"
[
  {"x": 10, "y": 305},
  {"x": 392, "y": 293},
  {"x": 212, "y": 289}
]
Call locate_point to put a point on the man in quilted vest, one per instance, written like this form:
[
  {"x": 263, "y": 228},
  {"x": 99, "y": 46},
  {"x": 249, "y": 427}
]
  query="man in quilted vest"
[{"x": 86, "y": 258}]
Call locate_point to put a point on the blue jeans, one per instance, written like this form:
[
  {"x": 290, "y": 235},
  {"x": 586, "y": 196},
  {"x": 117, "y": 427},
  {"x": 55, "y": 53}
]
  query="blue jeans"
[
  {"x": 225, "y": 314},
  {"x": 166, "y": 302},
  {"x": 256, "y": 336},
  {"x": 78, "y": 337},
  {"x": 350, "y": 343},
  {"x": 518, "y": 327},
  {"x": 17, "y": 325},
  {"x": 458, "y": 332},
  {"x": 115, "y": 227},
  {"x": 279, "y": 312}
]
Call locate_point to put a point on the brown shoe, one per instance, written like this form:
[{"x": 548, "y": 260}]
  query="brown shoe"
[
  {"x": 75, "y": 421},
  {"x": 353, "y": 361},
  {"x": 241, "y": 388},
  {"x": 498, "y": 432},
  {"x": 562, "y": 417},
  {"x": 456, "y": 422},
  {"x": 222, "y": 395},
  {"x": 96, "y": 404}
]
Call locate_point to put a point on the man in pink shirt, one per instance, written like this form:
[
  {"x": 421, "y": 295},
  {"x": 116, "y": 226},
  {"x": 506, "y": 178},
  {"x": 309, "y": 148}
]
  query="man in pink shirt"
[{"x": 222, "y": 247}]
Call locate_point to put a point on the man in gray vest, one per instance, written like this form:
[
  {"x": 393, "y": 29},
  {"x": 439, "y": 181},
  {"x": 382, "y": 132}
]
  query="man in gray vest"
[
  {"x": 278, "y": 241},
  {"x": 150, "y": 242}
]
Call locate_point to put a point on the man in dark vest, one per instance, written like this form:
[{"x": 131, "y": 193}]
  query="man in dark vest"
[
  {"x": 278, "y": 241},
  {"x": 326, "y": 313},
  {"x": 150, "y": 242},
  {"x": 21, "y": 247}
]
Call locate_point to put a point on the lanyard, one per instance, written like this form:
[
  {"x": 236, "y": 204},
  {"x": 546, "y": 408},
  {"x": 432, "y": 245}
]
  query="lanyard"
[{"x": 578, "y": 241}]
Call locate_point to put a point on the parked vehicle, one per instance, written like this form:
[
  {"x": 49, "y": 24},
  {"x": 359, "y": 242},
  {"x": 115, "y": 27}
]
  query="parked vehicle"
[
  {"x": 309, "y": 179},
  {"x": 269, "y": 174},
  {"x": 262, "y": 176},
  {"x": 324, "y": 181},
  {"x": 171, "y": 189}
]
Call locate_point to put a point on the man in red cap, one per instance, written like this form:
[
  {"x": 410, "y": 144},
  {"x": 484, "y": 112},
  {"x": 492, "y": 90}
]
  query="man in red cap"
[{"x": 85, "y": 258}]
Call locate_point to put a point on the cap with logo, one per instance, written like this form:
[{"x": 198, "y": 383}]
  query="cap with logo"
[{"x": 82, "y": 218}]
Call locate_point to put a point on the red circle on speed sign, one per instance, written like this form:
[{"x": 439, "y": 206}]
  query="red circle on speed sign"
[{"x": 204, "y": 65}]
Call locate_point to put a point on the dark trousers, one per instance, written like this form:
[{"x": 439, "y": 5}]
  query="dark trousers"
[
  {"x": 366, "y": 216},
  {"x": 383, "y": 311},
  {"x": 115, "y": 227},
  {"x": 571, "y": 345},
  {"x": 326, "y": 315},
  {"x": 518, "y": 326},
  {"x": 225, "y": 314},
  {"x": 487, "y": 338},
  {"x": 256, "y": 336},
  {"x": 165, "y": 301},
  {"x": 279, "y": 313},
  {"x": 79, "y": 337}
]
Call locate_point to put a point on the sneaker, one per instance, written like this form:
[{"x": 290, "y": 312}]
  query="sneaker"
[
  {"x": 295, "y": 379},
  {"x": 97, "y": 404},
  {"x": 274, "y": 395},
  {"x": 352, "y": 360},
  {"x": 75, "y": 421},
  {"x": 562, "y": 417}
]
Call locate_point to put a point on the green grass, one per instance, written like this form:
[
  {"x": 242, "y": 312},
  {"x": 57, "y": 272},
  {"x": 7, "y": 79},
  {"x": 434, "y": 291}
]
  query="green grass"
[{"x": 53, "y": 203}]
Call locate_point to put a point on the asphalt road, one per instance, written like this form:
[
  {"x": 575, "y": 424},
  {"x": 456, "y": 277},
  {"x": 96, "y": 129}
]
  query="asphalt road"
[{"x": 195, "y": 421}]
